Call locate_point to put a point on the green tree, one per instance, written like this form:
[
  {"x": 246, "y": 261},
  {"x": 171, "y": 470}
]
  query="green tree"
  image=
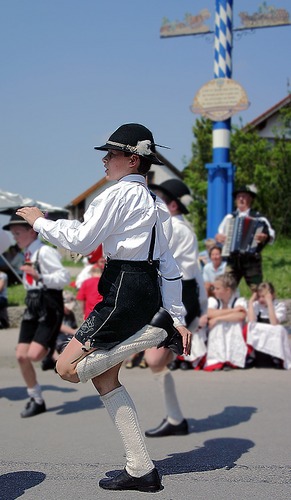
[
  {"x": 257, "y": 161},
  {"x": 267, "y": 165},
  {"x": 195, "y": 174}
]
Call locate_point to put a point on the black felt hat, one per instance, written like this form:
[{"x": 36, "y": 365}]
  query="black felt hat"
[
  {"x": 175, "y": 190},
  {"x": 133, "y": 138},
  {"x": 15, "y": 220},
  {"x": 252, "y": 190}
]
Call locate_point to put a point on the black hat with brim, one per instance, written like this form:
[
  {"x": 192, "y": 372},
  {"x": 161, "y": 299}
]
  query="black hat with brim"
[
  {"x": 15, "y": 220},
  {"x": 245, "y": 189},
  {"x": 176, "y": 190},
  {"x": 133, "y": 138}
]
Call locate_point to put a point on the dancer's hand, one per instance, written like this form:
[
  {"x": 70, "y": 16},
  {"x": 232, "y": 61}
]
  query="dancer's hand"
[
  {"x": 186, "y": 337},
  {"x": 30, "y": 214}
]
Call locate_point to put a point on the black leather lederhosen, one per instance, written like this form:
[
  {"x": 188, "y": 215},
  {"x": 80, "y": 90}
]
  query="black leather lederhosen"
[{"x": 131, "y": 297}]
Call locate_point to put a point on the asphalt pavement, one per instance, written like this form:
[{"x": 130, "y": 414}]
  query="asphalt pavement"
[{"x": 239, "y": 446}]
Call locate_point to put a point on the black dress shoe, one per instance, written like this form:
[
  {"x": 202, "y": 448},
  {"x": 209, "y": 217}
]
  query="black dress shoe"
[
  {"x": 167, "y": 429},
  {"x": 185, "y": 365},
  {"x": 174, "y": 365},
  {"x": 162, "y": 319},
  {"x": 149, "y": 482},
  {"x": 32, "y": 408}
]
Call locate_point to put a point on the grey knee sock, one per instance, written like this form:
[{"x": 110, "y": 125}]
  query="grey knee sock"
[
  {"x": 100, "y": 361},
  {"x": 121, "y": 408},
  {"x": 167, "y": 386}
]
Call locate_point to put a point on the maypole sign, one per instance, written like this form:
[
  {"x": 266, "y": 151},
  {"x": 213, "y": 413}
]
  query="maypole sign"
[
  {"x": 266, "y": 16},
  {"x": 191, "y": 25},
  {"x": 220, "y": 99}
]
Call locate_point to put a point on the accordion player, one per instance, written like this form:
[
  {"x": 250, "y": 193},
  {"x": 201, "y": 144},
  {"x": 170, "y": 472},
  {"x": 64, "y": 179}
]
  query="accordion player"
[{"x": 241, "y": 235}]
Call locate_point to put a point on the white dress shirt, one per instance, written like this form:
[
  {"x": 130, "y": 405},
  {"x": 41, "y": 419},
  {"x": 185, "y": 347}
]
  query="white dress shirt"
[
  {"x": 122, "y": 218},
  {"x": 184, "y": 247},
  {"x": 53, "y": 273}
]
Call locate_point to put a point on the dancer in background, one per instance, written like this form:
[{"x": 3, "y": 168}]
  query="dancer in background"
[
  {"x": 183, "y": 244},
  {"x": 44, "y": 277}
]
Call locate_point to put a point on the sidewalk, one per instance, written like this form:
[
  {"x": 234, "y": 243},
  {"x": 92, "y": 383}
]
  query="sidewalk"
[{"x": 239, "y": 446}]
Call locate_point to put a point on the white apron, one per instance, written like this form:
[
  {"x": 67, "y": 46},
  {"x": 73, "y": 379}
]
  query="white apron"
[
  {"x": 226, "y": 344},
  {"x": 270, "y": 339}
]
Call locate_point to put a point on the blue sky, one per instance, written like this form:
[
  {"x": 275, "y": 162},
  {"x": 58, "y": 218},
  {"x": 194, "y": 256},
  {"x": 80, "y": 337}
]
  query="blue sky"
[{"x": 72, "y": 71}]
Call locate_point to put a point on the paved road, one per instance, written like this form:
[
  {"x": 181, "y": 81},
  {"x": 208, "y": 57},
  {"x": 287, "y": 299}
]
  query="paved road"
[{"x": 239, "y": 446}]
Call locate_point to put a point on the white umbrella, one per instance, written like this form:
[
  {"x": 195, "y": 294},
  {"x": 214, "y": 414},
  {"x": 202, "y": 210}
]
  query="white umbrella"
[
  {"x": 5, "y": 243},
  {"x": 9, "y": 202},
  {"x": 5, "y": 240}
]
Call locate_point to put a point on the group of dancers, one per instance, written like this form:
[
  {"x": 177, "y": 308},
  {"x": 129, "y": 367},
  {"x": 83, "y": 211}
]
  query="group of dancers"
[{"x": 153, "y": 296}]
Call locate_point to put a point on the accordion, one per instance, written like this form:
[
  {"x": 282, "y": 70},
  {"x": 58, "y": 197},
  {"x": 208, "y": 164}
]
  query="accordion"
[{"x": 241, "y": 235}]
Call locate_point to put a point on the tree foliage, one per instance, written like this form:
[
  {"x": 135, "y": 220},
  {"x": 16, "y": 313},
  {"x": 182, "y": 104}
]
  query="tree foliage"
[
  {"x": 195, "y": 174},
  {"x": 267, "y": 164}
]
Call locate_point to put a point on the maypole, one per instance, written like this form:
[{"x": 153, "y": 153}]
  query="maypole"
[
  {"x": 221, "y": 171},
  {"x": 222, "y": 97}
]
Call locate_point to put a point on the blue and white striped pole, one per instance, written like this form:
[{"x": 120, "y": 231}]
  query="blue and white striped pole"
[{"x": 220, "y": 172}]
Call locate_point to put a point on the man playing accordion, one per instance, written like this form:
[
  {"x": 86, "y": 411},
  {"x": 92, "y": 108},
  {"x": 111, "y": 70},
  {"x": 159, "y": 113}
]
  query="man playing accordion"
[{"x": 243, "y": 234}]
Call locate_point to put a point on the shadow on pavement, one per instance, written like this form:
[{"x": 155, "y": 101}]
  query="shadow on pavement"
[
  {"x": 86, "y": 403},
  {"x": 20, "y": 393},
  {"x": 14, "y": 484},
  {"x": 230, "y": 416},
  {"x": 215, "y": 454}
]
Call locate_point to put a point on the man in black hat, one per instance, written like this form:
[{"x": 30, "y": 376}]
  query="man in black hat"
[
  {"x": 240, "y": 263},
  {"x": 131, "y": 225},
  {"x": 183, "y": 244},
  {"x": 43, "y": 278}
]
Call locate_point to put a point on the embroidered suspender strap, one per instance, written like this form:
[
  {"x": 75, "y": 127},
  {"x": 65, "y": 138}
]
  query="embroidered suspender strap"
[
  {"x": 36, "y": 264},
  {"x": 37, "y": 267},
  {"x": 153, "y": 237},
  {"x": 152, "y": 245}
]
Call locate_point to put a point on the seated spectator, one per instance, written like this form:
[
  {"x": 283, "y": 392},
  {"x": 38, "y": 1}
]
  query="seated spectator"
[
  {"x": 226, "y": 313},
  {"x": 88, "y": 293},
  {"x": 214, "y": 268},
  {"x": 66, "y": 333},
  {"x": 267, "y": 337},
  {"x": 203, "y": 256},
  {"x": 4, "y": 321}
]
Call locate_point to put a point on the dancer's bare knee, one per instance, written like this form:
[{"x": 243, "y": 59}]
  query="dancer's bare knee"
[{"x": 67, "y": 373}]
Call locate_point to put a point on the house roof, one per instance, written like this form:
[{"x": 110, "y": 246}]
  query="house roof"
[
  {"x": 269, "y": 112},
  {"x": 87, "y": 193},
  {"x": 103, "y": 181}
]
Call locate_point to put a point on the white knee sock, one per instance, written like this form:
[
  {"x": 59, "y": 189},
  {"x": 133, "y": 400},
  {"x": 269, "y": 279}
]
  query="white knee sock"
[
  {"x": 100, "y": 361},
  {"x": 121, "y": 408},
  {"x": 35, "y": 393},
  {"x": 167, "y": 386}
]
